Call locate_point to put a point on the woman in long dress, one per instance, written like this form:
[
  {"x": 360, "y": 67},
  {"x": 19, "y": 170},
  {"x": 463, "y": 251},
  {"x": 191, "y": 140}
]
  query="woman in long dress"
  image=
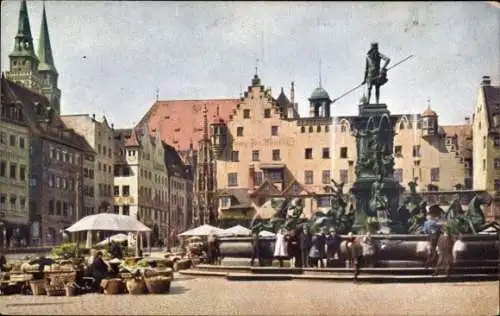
[{"x": 280, "y": 247}]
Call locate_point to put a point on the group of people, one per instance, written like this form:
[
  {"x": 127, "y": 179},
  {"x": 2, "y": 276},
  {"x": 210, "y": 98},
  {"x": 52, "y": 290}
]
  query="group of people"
[{"x": 314, "y": 250}]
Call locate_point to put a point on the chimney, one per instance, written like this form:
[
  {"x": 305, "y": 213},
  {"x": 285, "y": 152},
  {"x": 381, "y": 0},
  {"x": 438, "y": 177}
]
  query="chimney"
[
  {"x": 93, "y": 116},
  {"x": 292, "y": 94},
  {"x": 486, "y": 81},
  {"x": 467, "y": 120},
  {"x": 112, "y": 126}
]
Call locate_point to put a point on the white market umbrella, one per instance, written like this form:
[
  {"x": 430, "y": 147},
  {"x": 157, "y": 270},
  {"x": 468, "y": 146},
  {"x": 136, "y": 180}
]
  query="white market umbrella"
[
  {"x": 117, "y": 238},
  {"x": 237, "y": 230},
  {"x": 108, "y": 221},
  {"x": 203, "y": 230},
  {"x": 265, "y": 233}
]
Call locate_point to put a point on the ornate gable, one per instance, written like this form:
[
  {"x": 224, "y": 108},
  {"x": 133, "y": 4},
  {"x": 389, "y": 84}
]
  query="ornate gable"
[
  {"x": 267, "y": 188},
  {"x": 295, "y": 188}
]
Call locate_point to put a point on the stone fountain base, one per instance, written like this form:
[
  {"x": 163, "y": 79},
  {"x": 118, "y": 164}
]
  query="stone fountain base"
[{"x": 393, "y": 251}]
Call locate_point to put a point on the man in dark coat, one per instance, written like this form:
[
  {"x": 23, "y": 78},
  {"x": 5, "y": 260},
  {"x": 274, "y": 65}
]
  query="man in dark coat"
[
  {"x": 305, "y": 245},
  {"x": 294, "y": 248},
  {"x": 98, "y": 270},
  {"x": 445, "y": 253},
  {"x": 256, "y": 249},
  {"x": 333, "y": 242}
]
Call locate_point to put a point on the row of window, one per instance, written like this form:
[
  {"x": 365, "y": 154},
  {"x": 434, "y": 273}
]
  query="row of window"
[
  {"x": 15, "y": 203},
  {"x": 496, "y": 163},
  {"x": 88, "y": 173},
  {"x": 325, "y": 154},
  {"x": 155, "y": 215},
  {"x": 15, "y": 171},
  {"x": 88, "y": 190},
  {"x": 14, "y": 140},
  {"x": 61, "y": 183},
  {"x": 60, "y": 208},
  {"x": 177, "y": 185},
  {"x": 103, "y": 150},
  {"x": 258, "y": 177},
  {"x": 11, "y": 112},
  {"x": 122, "y": 171},
  {"x": 125, "y": 209},
  {"x": 176, "y": 200},
  {"x": 64, "y": 156},
  {"x": 496, "y": 141},
  {"x": 104, "y": 189},
  {"x": 104, "y": 168},
  {"x": 239, "y": 131}
]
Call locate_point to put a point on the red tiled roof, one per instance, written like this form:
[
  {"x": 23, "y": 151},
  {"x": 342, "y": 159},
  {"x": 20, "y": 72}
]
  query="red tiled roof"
[{"x": 181, "y": 121}]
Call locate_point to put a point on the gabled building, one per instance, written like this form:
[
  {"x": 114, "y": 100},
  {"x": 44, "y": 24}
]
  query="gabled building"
[
  {"x": 98, "y": 172},
  {"x": 141, "y": 179},
  {"x": 56, "y": 164},
  {"x": 486, "y": 139},
  {"x": 265, "y": 150}
]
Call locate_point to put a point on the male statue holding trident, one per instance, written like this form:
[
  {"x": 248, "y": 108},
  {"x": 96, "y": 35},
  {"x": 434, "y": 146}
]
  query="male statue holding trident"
[{"x": 374, "y": 76}]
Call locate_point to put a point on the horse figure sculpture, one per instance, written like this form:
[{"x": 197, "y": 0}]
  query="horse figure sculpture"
[
  {"x": 340, "y": 215},
  {"x": 469, "y": 221}
]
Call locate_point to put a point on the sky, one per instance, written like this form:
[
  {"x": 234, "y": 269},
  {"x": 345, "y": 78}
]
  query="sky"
[{"x": 112, "y": 57}]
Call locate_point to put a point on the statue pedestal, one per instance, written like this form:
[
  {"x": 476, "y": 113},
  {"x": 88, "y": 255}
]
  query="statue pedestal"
[
  {"x": 374, "y": 130},
  {"x": 361, "y": 190},
  {"x": 373, "y": 109}
]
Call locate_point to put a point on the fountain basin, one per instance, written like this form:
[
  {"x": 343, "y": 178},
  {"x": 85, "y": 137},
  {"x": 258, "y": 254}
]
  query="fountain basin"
[{"x": 392, "y": 249}]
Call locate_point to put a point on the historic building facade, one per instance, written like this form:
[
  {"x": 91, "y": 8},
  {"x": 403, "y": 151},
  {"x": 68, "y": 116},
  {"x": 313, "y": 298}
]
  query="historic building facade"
[
  {"x": 56, "y": 165},
  {"x": 98, "y": 173},
  {"x": 262, "y": 147},
  {"x": 141, "y": 179},
  {"x": 486, "y": 138},
  {"x": 180, "y": 195},
  {"x": 14, "y": 168},
  {"x": 265, "y": 148},
  {"x": 56, "y": 151}
]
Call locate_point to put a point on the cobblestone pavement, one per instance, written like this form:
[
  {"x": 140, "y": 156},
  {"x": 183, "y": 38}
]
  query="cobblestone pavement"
[{"x": 216, "y": 296}]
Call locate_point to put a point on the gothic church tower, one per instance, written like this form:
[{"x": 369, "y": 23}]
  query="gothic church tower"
[{"x": 37, "y": 74}]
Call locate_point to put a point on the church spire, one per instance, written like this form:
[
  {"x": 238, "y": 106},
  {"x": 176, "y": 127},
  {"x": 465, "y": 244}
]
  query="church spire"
[
  {"x": 44, "y": 47},
  {"x": 23, "y": 46},
  {"x": 46, "y": 69}
]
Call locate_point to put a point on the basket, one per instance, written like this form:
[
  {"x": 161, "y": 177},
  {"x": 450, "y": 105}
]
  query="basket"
[
  {"x": 158, "y": 284},
  {"x": 38, "y": 287},
  {"x": 136, "y": 286},
  {"x": 112, "y": 286},
  {"x": 55, "y": 290},
  {"x": 62, "y": 279},
  {"x": 165, "y": 272}
]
